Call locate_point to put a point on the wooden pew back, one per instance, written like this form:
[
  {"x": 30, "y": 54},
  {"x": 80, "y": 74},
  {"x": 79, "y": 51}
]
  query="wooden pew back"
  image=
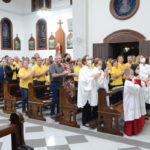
[
  {"x": 108, "y": 118},
  {"x": 68, "y": 108},
  {"x": 15, "y": 128},
  {"x": 36, "y": 104},
  {"x": 11, "y": 98}
]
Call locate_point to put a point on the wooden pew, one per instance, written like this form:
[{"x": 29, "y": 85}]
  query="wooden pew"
[
  {"x": 15, "y": 128},
  {"x": 36, "y": 105},
  {"x": 1, "y": 90},
  {"x": 108, "y": 118},
  {"x": 68, "y": 107},
  {"x": 10, "y": 99}
]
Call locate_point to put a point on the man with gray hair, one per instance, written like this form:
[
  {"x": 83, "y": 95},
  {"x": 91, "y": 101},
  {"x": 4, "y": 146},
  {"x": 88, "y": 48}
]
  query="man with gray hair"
[{"x": 56, "y": 73}]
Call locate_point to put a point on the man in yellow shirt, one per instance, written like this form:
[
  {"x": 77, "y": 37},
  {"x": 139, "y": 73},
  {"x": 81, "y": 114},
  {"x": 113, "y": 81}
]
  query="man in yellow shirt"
[
  {"x": 129, "y": 62},
  {"x": 39, "y": 76},
  {"x": 121, "y": 64},
  {"x": 109, "y": 62},
  {"x": 77, "y": 70},
  {"x": 25, "y": 75}
]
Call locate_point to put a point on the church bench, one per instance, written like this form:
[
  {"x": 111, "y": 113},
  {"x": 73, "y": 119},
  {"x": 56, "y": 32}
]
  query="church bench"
[
  {"x": 68, "y": 106},
  {"x": 15, "y": 128},
  {"x": 1, "y": 90},
  {"x": 108, "y": 117},
  {"x": 11, "y": 96},
  {"x": 36, "y": 105}
]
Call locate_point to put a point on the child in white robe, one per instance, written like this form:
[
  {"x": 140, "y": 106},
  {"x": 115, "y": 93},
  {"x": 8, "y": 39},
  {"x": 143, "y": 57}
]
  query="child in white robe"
[{"x": 133, "y": 108}]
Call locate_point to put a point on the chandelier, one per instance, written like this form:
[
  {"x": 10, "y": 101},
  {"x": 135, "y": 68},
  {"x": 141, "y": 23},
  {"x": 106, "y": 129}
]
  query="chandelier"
[{"x": 44, "y": 11}]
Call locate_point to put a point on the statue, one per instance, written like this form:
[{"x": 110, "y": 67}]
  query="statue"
[
  {"x": 58, "y": 48},
  {"x": 125, "y": 7}
]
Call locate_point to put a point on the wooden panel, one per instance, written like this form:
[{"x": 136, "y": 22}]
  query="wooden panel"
[
  {"x": 144, "y": 48},
  {"x": 101, "y": 50}
]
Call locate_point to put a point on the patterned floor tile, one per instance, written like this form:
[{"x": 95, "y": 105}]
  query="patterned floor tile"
[
  {"x": 60, "y": 147},
  {"x": 2, "y": 121},
  {"x": 36, "y": 143},
  {"x": 76, "y": 139},
  {"x": 34, "y": 129},
  {"x": 1, "y": 145},
  {"x": 133, "y": 148}
]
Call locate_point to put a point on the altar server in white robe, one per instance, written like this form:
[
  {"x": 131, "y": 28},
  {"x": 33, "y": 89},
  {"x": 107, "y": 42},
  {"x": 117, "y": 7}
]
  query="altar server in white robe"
[
  {"x": 144, "y": 72},
  {"x": 134, "y": 120},
  {"x": 87, "y": 90},
  {"x": 103, "y": 80},
  {"x": 147, "y": 91}
]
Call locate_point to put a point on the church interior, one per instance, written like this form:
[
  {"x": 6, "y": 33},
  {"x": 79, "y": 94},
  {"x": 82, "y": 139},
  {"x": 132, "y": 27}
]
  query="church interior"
[{"x": 87, "y": 59}]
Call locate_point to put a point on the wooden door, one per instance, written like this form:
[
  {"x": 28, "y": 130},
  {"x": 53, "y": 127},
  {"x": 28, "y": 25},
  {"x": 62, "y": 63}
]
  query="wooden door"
[
  {"x": 144, "y": 48},
  {"x": 102, "y": 50}
]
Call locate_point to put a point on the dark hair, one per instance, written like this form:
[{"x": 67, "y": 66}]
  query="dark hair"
[
  {"x": 84, "y": 59},
  {"x": 133, "y": 67}
]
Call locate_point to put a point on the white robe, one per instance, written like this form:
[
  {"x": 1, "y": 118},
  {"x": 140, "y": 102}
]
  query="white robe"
[
  {"x": 87, "y": 90},
  {"x": 131, "y": 101},
  {"x": 147, "y": 90},
  {"x": 101, "y": 82}
]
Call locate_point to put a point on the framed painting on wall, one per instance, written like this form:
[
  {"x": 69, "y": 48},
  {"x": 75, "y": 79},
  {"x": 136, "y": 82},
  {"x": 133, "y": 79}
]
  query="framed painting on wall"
[
  {"x": 31, "y": 43},
  {"x": 52, "y": 42},
  {"x": 17, "y": 43},
  {"x": 124, "y": 9},
  {"x": 70, "y": 41}
]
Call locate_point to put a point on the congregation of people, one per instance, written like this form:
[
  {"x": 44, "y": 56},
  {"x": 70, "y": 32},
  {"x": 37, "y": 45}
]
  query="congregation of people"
[{"x": 87, "y": 75}]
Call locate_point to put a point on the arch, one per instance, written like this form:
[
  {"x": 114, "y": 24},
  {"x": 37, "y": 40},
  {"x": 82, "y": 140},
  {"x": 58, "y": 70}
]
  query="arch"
[
  {"x": 41, "y": 34},
  {"x": 6, "y": 34},
  {"x": 122, "y": 36}
]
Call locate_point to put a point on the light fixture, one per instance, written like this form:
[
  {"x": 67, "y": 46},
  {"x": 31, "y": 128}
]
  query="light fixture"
[{"x": 44, "y": 12}]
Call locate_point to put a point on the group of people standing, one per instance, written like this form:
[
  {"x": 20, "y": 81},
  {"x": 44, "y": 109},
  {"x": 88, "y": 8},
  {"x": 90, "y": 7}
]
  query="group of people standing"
[{"x": 88, "y": 75}]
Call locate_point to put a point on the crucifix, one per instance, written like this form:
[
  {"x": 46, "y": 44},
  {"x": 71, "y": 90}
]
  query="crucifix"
[{"x": 60, "y": 23}]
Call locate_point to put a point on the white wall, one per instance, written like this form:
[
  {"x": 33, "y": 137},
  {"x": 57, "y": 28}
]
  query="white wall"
[
  {"x": 24, "y": 24},
  {"x": 101, "y": 23}
]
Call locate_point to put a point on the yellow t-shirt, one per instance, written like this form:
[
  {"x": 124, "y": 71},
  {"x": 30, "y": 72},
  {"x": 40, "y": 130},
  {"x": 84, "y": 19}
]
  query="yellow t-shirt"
[
  {"x": 121, "y": 66},
  {"x": 38, "y": 70},
  {"x": 77, "y": 70},
  {"x": 116, "y": 81},
  {"x": 24, "y": 83},
  {"x": 127, "y": 65},
  {"x": 92, "y": 66},
  {"x": 109, "y": 64},
  {"x": 47, "y": 77},
  {"x": 14, "y": 77},
  {"x": 17, "y": 64}
]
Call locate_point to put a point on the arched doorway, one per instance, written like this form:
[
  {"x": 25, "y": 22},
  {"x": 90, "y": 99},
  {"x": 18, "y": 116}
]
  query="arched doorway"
[{"x": 122, "y": 42}]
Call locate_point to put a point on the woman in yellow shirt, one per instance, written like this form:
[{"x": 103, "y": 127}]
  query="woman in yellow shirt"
[
  {"x": 116, "y": 80},
  {"x": 77, "y": 69},
  {"x": 25, "y": 75}
]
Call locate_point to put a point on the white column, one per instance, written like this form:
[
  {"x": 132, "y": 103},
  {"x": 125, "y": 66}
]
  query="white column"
[{"x": 80, "y": 28}]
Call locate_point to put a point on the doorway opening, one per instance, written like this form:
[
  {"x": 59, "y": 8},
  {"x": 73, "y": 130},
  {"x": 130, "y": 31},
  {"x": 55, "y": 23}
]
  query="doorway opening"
[{"x": 124, "y": 49}]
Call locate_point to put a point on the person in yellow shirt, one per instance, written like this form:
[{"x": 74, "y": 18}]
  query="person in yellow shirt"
[
  {"x": 47, "y": 67},
  {"x": 25, "y": 75},
  {"x": 77, "y": 69},
  {"x": 116, "y": 80},
  {"x": 39, "y": 77},
  {"x": 109, "y": 62},
  {"x": 121, "y": 64},
  {"x": 129, "y": 62}
]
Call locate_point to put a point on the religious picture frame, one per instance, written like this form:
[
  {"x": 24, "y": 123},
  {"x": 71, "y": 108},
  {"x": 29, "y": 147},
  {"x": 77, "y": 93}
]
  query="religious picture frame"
[
  {"x": 17, "y": 43},
  {"x": 51, "y": 42},
  {"x": 31, "y": 43},
  {"x": 70, "y": 41},
  {"x": 124, "y": 9}
]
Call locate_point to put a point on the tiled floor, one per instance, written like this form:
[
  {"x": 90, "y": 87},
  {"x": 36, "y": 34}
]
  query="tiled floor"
[{"x": 52, "y": 136}]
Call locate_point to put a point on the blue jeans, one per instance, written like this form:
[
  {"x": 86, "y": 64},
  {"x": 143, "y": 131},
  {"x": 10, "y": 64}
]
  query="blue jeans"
[
  {"x": 55, "y": 97},
  {"x": 24, "y": 93}
]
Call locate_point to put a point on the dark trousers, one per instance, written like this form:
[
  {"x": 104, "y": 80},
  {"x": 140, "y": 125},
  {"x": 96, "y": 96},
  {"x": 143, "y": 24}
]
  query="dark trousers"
[
  {"x": 54, "y": 87},
  {"x": 39, "y": 92},
  {"x": 24, "y": 94}
]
